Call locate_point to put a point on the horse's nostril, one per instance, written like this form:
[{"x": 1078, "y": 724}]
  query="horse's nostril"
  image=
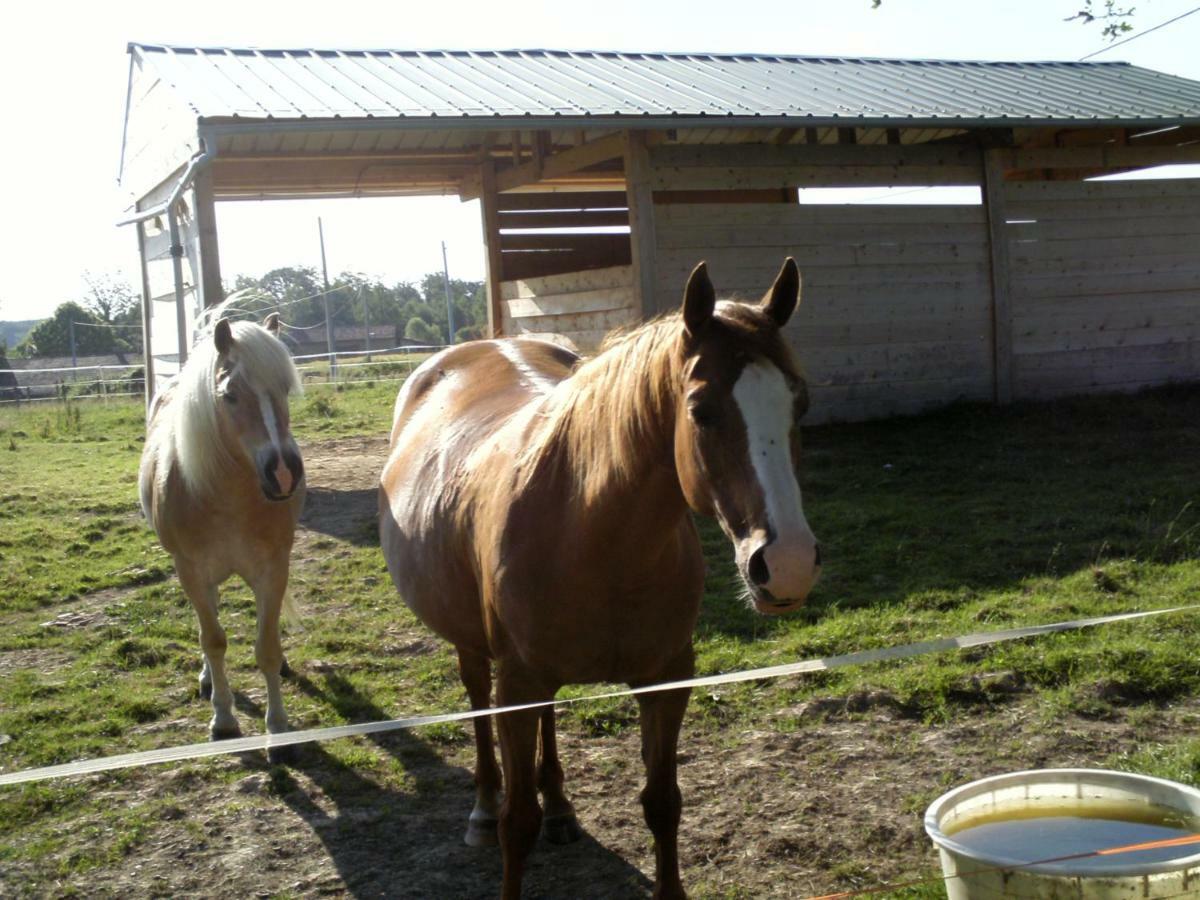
[
  {"x": 758, "y": 571},
  {"x": 816, "y": 555}
]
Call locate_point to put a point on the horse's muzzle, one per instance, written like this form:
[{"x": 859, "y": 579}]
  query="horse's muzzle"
[
  {"x": 803, "y": 570},
  {"x": 280, "y": 474},
  {"x": 768, "y": 605}
]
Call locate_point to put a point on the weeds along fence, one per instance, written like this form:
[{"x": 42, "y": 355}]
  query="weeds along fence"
[{"x": 103, "y": 382}]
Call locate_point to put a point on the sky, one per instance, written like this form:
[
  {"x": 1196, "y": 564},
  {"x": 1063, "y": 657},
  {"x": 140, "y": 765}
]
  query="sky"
[{"x": 63, "y": 75}]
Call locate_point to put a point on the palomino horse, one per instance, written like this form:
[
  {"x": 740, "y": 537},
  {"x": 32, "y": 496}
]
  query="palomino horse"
[
  {"x": 222, "y": 485},
  {"x": 534, "y": 512}
]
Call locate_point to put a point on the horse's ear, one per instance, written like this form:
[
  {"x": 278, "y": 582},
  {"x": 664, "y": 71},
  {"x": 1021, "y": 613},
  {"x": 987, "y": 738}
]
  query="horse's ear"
[
  {"x": 223, "y": 336},
  {"x": 784, "y": 296},
  {"x": 699, "y": 300},
  {"x": 272, "y": 324}
]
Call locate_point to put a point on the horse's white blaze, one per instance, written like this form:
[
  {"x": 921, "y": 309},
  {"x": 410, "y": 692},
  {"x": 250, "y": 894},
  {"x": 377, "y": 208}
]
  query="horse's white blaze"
[
  {"x": 767, "y": 407},
  {"x": 283, "y": 475}
]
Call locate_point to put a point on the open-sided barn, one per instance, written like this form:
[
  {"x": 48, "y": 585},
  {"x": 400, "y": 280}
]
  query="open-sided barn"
[{"x": 604, "y": 177}]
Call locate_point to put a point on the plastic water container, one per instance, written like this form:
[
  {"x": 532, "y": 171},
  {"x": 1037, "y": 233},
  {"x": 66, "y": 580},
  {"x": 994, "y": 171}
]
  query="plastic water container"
[{"x": 972, "y": 874}]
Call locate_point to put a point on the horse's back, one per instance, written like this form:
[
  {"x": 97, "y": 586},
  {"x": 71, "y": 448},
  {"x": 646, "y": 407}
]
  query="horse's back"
[
  {"x": 453, "y": 414},
  {"x": 480, "y": 383}
]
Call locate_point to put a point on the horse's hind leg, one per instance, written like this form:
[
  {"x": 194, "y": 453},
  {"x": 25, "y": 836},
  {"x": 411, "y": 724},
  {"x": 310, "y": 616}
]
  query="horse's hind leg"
[
  {"x": 520, "y": 814},
  {"x": 268, "y": 590},
  {"x": 476, "y": 674},
  {"x": 662, "y": 715},
  {"x": 212, "y": 641},
  {"x": 559, "y": 825}
]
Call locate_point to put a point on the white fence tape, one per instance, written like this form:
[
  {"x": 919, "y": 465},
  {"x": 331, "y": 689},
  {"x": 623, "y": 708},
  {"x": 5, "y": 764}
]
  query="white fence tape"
[{"x": 284, "y": 739}]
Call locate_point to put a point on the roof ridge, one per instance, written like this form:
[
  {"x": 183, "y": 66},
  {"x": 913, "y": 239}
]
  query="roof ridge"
[{"x": 670, "y": 54}]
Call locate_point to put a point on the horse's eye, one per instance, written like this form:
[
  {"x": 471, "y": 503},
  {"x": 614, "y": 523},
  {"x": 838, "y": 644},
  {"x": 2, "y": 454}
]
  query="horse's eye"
[
  {"x": 229, "y": 396},
  {"x": 704, "y": 415}
]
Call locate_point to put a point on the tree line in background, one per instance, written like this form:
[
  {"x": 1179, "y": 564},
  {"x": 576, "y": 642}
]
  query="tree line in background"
[
  {"x": 107, "y": 319},
  {"x": 419, "y": 311}
]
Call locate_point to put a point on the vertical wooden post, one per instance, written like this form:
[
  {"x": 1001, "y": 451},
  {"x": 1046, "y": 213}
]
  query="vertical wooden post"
[
  {"x": 211, "y": 291},
  {"x": 642, "y": 240},
  {"x": 489, "y": 204},
  {"x": 994, "y": 206},
  {"x": 147, "y": 315},
  {"x": 541, "y": 150}
]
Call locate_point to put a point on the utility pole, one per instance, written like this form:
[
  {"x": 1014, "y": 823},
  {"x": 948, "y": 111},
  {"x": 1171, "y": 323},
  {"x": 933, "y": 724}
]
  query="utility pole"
[
  {"x": 367, "y": 318},
  {"x": 449, "y": 305},
  {"x": 74, "y": 359},
  {"x": 325, "y": 298}
]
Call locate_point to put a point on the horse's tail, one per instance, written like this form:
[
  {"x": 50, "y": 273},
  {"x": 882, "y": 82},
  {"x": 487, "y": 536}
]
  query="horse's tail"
[{"x": 290, "y": 612}]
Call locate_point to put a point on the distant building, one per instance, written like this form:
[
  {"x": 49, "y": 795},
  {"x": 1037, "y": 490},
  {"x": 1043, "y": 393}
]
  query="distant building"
[
  {"x": 48, "y": 376},
  {"x": 347, "y": 339}
]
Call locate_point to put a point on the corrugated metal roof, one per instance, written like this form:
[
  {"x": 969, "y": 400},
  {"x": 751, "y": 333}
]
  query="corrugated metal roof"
[{"x": 258, "y": 84}]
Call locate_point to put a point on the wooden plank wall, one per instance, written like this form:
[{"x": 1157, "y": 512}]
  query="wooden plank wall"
[
  {"x": 1105, "y": 285},
  {"x": 575, "y": 309},
  {"x": 894, "y": 315},
  {"x": 528, "y": 252}
]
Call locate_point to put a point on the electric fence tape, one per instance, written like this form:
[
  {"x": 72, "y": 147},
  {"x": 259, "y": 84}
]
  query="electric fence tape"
[{"x": 287, "y": 738}]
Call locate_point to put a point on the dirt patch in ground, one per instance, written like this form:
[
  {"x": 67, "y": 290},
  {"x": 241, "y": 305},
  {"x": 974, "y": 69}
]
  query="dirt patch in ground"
[
  {"x": 835, "y": 805},
  {"x": 343, "y": 476},
  {"x": 42, "y": 660},
  {"x": 777, "y": 810},
  {"x": 78, "y": 613}
]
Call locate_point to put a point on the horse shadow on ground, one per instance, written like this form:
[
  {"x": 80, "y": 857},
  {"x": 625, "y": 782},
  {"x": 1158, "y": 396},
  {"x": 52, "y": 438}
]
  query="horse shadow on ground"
[
  {"x": 408, "y": 843},
  {"x": 348, "y": 515}
]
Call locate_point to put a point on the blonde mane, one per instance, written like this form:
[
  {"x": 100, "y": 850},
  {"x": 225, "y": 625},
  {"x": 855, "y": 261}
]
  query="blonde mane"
[
  {"x": 619, "y": 406},
  {"x": 191, "y": 436},
  {"x": 613, "y": 408}
]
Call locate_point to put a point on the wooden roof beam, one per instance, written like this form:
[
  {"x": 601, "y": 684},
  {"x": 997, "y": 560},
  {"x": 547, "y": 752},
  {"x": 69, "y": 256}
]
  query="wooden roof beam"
[{"x": 556, "y": 166}]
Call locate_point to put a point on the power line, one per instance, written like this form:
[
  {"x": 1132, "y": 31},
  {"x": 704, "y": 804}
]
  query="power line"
[
  {"x": 1134, "y": 37},
  {"x": 105, "y": 325},
  {"x": 888, "y": 195}
]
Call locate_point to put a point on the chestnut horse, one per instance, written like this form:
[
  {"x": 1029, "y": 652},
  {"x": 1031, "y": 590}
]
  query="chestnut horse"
[
  {"x": 534, "y": 511},
  {"x": 222, "y": 485}
]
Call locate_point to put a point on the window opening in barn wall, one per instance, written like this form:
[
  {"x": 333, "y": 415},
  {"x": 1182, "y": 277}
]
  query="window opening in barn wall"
[
  {"x": 949, "y": 195},
  {"x": 1153, "y": 172}
]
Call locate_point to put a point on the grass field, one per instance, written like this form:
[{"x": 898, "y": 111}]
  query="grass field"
[{"x": 967, "y": 520}]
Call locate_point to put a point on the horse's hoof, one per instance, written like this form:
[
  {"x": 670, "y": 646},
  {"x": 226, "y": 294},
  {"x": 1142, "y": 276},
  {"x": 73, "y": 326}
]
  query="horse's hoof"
[
  {"x": 286, "y": 671},
  {"x": 283, "y": 756},
  {"x": 224, "y": 732},
  {"x": 206, "y": 690},
  {"x": 561, "y": 829},
  {"x": 481, "y": 833}
]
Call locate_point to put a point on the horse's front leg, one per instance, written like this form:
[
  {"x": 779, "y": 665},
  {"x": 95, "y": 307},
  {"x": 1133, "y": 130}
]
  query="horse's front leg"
[
  {"x": 662, "y": 715},
  {"x": 269, "y": 588},
  {"x": 476, "y": 674},
  {"x": 520, "y": 815},
  {"x": 214, "y": 683}
]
